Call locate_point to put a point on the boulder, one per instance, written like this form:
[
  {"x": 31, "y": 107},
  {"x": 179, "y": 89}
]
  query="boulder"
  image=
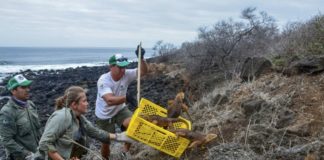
[
  {"x": 254, "y": 67},
  {"x": 309, "y": 65},
  {"x": 252, "y": 106}
]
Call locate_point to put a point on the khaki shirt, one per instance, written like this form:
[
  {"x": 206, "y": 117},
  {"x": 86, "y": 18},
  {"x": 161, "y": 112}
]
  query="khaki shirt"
[
  {"x": 19, "y": 129},
  {"x": 62, "y": 127}
]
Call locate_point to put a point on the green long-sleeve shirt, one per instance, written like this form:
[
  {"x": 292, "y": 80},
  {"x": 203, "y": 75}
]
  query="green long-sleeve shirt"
[
  {"x": 62, "y": 127},
  {"x": 19, "y": 129}
]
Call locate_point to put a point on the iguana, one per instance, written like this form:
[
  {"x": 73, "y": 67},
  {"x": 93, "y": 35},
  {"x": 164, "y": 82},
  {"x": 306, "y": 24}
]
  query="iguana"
[
  {"x": 164, "y": 122},
  {"x": 176, "y": 106},
  {"x": 197, "y": 139}
]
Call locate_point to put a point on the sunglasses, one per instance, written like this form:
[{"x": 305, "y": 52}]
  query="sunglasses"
[{"x": 122, "y": 59}]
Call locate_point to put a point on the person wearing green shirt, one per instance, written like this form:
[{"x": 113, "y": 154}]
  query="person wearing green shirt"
[
  {"x": 67, "y": 129},
  {"x": 19, "y": 122}
]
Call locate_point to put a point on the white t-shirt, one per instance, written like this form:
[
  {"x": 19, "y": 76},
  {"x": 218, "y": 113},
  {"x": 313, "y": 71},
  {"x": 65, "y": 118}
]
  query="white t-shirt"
[{"x": 107, "y": 85}]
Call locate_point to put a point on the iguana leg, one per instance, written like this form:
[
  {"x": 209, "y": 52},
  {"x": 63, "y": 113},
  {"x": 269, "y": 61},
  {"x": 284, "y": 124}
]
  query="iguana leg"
[
  {"x": 170, "y": 126},
  {"x": 193, "y": 144},
  {"x": 181, "y": 134},
  {"x": 155, "y": 122},
  {"x": 170, "y": 102},
  {"x": 186, "y": 109}
]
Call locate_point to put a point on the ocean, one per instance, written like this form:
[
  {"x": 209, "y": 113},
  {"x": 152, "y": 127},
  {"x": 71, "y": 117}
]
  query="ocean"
[{"x": 15, "y": 59}]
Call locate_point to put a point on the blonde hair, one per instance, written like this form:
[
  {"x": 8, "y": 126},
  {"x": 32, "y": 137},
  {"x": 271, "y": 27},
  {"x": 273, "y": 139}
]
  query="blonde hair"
[{"x": 72, "y": 94}]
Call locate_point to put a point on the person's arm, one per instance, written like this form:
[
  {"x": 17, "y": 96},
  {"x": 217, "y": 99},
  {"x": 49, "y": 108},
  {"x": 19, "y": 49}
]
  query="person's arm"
[
  {"x": 55, "y": 128},
  {"x": 112, "y": 100},
  {"x": 144, "y": 68},
  {"x": 93, "y": 131},
  {"x": 106, "y": 93},
  {"x": 8, "y": 131},
  {"x": 102, "y": 135},
  {"x": 55, "y": 156}
]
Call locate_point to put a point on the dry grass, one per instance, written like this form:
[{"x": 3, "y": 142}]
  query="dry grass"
[{"x": 300, "y": 95}]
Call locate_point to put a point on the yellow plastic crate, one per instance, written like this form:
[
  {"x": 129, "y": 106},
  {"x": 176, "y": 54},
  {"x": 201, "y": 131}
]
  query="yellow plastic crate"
[{"x": 156, "y": 136}]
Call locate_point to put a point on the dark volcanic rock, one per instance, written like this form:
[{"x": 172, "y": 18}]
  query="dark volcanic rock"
[
  {"x": 254, "y": 67},
  {"x": 160, "y": 89},
  {"x": 252, "y": 105},
  {"x": 49, "y": 84},
  {"x": 259, "y": 111},
  {"x": 310, "y": 65}
]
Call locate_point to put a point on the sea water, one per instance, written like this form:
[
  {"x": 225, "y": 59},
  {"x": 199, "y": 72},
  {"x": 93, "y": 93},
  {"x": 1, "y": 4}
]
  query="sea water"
[{"x": 16, "y": 59}]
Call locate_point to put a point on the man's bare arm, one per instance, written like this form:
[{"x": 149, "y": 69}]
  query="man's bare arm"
[
  {"x": 112, "y": 100},
  {"x": 144, "y": 68}
]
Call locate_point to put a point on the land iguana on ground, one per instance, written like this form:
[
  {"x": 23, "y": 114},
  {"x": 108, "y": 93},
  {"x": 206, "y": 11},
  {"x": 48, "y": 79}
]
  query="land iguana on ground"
[{"x": 197, "y": 139}]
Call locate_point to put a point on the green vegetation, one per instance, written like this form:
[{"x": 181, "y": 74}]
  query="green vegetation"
[{"x": 278, "y": 61}]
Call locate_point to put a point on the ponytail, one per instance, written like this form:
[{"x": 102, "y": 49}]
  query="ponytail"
[
  {"x": 60, "y": 102},
  {"x": 72, "y": 94}
]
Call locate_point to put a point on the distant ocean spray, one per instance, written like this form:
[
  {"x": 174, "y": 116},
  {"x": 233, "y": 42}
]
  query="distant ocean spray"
[{"x": 15, "y": 59}]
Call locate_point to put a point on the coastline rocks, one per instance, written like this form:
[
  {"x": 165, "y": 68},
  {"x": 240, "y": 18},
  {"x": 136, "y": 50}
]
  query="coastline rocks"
[{"x": 50, "y": 84}]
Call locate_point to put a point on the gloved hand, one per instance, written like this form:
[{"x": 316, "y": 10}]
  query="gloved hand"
[
  {"x": 131, "y": 100},
  {"x": 142, "y": 52},
  {"x": 122, "y": 137}
]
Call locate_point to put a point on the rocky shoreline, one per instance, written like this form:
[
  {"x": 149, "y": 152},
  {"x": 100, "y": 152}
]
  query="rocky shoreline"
[{"x": 50, "y": 84}]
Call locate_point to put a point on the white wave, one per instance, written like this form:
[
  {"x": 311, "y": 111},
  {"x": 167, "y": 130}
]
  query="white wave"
[
  {"x": 18, "y": 68},
  {"x": 7, "y": 70}
]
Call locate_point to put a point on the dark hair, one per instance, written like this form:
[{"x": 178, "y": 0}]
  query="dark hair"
[{"x": 72, "y": 94}]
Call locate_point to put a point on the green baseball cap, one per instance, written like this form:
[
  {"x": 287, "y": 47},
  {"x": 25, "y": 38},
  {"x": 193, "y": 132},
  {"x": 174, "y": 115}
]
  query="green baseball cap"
[
  {"x": 16, "y": 81},
  {"x": 119, "y": 60}
]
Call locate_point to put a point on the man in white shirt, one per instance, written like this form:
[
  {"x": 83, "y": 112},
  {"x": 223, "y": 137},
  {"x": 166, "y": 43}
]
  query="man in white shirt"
[{"x": 111, "y": 96}]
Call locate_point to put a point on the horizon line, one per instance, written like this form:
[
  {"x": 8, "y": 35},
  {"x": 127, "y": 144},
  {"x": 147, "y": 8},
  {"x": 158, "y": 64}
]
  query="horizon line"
[{"x": 64, "y": 47}]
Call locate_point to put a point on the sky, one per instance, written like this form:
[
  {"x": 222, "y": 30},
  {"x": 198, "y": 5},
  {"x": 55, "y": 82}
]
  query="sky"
[{"x": 125, "y": 23}]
